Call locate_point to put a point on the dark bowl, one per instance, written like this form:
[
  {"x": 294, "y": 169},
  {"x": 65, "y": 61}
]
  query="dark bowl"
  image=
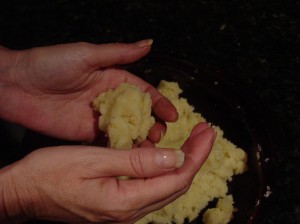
[{"x": 226, "y": 102}]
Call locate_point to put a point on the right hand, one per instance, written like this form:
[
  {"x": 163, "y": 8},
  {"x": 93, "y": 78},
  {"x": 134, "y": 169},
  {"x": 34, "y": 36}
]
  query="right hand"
[{"x": 77, "y": 184}]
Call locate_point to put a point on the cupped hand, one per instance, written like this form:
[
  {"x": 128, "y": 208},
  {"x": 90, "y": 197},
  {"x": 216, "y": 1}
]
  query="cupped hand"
[
  {"x": 50, "y": 89},
  {"x": 78, "y": 184}
]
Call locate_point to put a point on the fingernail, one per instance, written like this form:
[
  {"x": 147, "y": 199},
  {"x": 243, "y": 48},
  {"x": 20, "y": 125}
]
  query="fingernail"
[
  {"x": 168, "y": 159},
  {"x": 144, "y": 43}
]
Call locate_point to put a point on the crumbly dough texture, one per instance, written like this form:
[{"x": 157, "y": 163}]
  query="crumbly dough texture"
[
  {"x": 210, "y": 182},
  {"x": 222, "y": 213},
  {"x": 125, "y": 115}
]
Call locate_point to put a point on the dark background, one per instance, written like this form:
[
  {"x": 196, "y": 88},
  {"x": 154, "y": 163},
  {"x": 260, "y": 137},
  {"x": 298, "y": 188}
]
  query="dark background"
[{"x": 257, "y": 41}]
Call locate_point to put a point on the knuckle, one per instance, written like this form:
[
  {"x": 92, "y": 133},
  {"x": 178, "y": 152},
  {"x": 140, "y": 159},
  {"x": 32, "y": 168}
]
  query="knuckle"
[
  {"x": 136, "y": 162},
  {"x": 83, "y": 48},
  {"x": 82, "y": 51}
]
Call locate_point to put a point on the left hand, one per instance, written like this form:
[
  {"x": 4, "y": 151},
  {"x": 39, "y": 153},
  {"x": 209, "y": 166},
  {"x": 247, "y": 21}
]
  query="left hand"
[{"x": 50, "y": 89}]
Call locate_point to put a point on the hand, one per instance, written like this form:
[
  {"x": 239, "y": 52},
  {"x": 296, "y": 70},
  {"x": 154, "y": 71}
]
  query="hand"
[
  {"x": 50, "y": 89},
  {"x": 78, "y": 184}
]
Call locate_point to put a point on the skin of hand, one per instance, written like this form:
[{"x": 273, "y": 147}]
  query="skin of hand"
[
  {"x": 50, "y": 89},
  {"x": 78, "y": 184}
]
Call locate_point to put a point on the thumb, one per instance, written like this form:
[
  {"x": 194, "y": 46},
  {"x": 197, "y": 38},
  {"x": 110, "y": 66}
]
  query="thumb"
[
  {"x": 104, "y": 55},
  {"x": 142, "y": 162}
]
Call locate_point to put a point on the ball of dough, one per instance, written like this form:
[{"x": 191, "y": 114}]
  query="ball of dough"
[{"x": 125, "y": 115}]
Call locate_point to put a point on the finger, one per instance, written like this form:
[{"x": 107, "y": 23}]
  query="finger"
[
  {"x": 147, "y": 144},
  {"x": 104, "y": 55},
  {"x": 159, "y": 188},
  {"x": 156, "y": 132},
  {"x": 164, "y": 109},
  {"x": 199, "y": 128},
  {"x": 195, "y": 155},
  {"x": 136, "y": 163}
]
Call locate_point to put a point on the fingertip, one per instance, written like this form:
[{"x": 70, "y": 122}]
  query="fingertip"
[
  {"x": 144, "y": 43},
  {"x": 156, "y": 132},
  {"x": 211, "y": 134},
  {"x": 199, "y": 128},
  {"x": 198, "y": 147},
  {"x": 206, "y": 136},
  {"x": 165, "y": 110},
  {"x": 173, "y": 115}
]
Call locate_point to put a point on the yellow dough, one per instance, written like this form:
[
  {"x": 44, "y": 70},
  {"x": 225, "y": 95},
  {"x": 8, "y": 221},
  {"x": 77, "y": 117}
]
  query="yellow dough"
[
  {"x": 125, "y": 115},
  {"x": 222, "y": 213}
]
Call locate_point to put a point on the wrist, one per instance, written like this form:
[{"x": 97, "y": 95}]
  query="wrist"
[{"x": 12, "y": 204}]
